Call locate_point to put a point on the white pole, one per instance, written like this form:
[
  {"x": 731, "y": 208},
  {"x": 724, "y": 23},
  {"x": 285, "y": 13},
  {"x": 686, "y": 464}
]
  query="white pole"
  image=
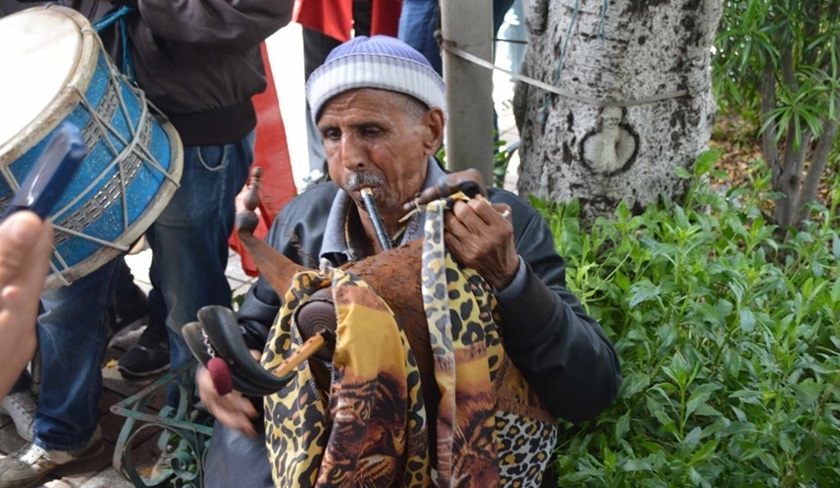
[{"x": 469, "y": 98}]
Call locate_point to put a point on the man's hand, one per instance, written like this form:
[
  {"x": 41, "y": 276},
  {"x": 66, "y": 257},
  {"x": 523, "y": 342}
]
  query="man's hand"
[
  {"x": 480, "y": 235},
  {"x": 25, "y": 246},
  {"x": 233, "y": 410}
]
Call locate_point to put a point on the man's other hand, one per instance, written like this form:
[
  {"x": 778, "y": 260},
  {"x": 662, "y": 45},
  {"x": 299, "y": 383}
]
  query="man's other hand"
[
  {"x": 233, "y": 409},
  {"x": 480, "y": 235}
]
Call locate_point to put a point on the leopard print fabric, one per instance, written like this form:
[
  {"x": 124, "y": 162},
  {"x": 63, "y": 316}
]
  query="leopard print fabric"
[
  {"x": 370, "y": 428},
  {"x": 497, "y": 433}
]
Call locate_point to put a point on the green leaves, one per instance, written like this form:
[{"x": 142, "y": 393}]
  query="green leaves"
[{"x": 729, "y": 343}]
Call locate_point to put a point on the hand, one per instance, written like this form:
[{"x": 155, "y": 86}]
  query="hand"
[
  {"x": 232, "y": 410},
  {"x": 480, "y": 235},
  {"x": 25, "y": 246}
]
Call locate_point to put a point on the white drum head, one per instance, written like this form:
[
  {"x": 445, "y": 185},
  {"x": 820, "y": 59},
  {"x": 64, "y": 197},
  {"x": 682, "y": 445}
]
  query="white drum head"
[
  {"x": 41, "y": 54},
  {"x": 44, "y": 50}
]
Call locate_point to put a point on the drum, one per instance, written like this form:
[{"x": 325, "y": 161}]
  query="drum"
[{"x": 55, "y": 69}]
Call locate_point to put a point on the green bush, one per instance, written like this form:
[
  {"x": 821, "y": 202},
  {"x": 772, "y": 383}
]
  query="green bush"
[{"x": 728, "y": 341}]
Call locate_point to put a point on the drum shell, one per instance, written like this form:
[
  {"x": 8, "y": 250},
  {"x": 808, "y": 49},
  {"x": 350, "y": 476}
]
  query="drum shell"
[{"x": 117, "y": 192}]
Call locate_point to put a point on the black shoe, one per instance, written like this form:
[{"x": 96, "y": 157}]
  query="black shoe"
[{"x": 149, "y": 356}]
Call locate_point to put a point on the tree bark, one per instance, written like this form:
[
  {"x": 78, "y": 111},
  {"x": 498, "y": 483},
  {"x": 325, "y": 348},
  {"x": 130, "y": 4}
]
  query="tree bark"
[{"x": 598, "y": 152}]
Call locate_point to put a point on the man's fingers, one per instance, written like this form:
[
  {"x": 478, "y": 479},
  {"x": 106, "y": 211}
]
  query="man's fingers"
[
  {"x": 504, "y": 210},
  {"x": 232, "y": 410}
]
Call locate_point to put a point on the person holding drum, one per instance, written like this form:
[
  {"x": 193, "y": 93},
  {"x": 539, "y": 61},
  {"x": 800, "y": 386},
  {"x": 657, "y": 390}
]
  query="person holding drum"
[
  {"x": 25, "y": 245},
  {"x": 379, "y": 107},
  {"x": 199, "y": 63}
]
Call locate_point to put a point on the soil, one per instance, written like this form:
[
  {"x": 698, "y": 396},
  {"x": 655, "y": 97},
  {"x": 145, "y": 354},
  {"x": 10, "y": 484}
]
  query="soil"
[{"x": 742, "y": 159}]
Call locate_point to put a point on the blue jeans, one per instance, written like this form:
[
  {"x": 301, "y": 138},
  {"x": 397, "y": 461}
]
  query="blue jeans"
[
  {"x": 419, "y": 21},
  {"x": 71, "y": 339},
  {"x": 189, "y": 240}
]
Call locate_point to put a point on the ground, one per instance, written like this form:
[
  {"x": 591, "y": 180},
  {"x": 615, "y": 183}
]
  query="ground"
[{"x": 742, "y": 159}]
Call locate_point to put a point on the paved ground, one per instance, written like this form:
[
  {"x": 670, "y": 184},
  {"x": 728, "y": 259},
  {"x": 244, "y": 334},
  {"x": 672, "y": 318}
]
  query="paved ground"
[{"x": 99, "y": 472}]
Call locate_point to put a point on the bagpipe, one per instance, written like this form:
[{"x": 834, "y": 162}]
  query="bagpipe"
[
  {"x": 216, "y": 341},
  {"x": 385, "y": 371}
]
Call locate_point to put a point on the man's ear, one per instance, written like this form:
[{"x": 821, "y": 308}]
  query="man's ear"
[{"x": 433, "y": 122}]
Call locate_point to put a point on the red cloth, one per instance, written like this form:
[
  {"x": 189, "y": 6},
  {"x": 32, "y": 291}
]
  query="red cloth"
[
  {"x": 335, "y": 17},
  {"x": 272, "y": 155}
]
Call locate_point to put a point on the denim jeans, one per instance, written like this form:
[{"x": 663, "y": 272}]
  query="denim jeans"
[
  {"x": 419, "y": 19},
  {"x": 71, "y": 339},
  {"x": 418, "y": 23},
  {"x": 189, "y": 240}
]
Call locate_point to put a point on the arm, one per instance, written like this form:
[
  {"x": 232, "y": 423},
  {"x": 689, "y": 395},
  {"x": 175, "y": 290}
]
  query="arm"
[
  {"x": 563, "y": 353},
  {"x": 297, "y": 232},
  {"x": 222, "y": 24},
  {"x": 25, "y": 245}
]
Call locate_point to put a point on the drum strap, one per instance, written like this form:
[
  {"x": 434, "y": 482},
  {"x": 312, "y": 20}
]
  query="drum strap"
[{"x": 119, "y": 16}]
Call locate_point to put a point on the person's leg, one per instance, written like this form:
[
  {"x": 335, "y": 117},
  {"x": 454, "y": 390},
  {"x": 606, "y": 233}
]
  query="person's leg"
[
  {"x": 150, "y": 354},
  {"x": 131, "y": 306},
  {"x": 19, "y": 404},
  {"x": 500, "y": 9},
  {"x": 419, "y": 19},
  {"x": 510, "y": 49},
  {"x": 71, "y": 338},
  {"x": 71, "y": 334},
  {"x": 189, "y": 240},
  {"x": 234, "y": 459}
]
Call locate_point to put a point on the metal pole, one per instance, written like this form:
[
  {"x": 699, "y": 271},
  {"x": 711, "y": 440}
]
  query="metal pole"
[{"x": 469, "y": 97}]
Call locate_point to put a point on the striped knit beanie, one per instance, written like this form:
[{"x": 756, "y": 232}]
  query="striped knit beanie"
[{"x": 375, "y": 62}]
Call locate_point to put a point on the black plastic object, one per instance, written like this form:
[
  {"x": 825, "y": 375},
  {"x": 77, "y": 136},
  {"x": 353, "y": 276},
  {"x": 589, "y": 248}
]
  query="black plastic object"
[
  {"x": 47, "y": 179},
  {"x": 378, "y": 226},
  {"x": 222, "y": 329},
  {"x": 194, "y": 337}
]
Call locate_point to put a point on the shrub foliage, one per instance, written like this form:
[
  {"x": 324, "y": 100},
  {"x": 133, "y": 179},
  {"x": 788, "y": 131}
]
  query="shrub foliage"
[{"x": 728, "y": 340}]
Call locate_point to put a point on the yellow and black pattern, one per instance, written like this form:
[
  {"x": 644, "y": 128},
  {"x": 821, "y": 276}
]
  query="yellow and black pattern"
[
  {"x": 371, "y": 427},
  {"x": 371, "y": 430},
  {"x": 491, "y": 429}
]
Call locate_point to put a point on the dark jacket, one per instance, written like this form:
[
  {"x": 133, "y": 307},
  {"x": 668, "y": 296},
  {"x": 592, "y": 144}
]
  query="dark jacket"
[
  {"x": 198, "y": 61},
  {"x": 562, "y": 352}
]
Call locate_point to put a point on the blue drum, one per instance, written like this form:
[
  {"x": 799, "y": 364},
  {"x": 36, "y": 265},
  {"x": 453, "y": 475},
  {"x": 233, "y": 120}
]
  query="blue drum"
[{"x": 53, "y": 68}]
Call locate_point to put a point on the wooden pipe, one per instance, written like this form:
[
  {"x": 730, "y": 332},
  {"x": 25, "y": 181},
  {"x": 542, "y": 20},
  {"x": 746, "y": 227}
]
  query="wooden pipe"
[{"x": 276, "y": 268}]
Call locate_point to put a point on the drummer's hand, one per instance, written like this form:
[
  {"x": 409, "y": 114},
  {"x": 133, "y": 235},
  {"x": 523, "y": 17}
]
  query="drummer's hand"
[
  {"x": 232, "y": 410},
  {"x": 25, "y": 245},
  {"x": 480, "y": 236}
]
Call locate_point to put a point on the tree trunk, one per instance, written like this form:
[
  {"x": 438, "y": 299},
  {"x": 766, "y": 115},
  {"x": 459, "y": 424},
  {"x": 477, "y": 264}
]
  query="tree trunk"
[{"x": 608, "y": 142}]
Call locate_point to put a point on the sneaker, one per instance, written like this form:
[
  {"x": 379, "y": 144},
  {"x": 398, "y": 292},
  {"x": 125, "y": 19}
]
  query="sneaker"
[
  {"x": 21, "y": 408},
  {"x": 150, "y": 355},
  {"x": 28, "y": 465}
]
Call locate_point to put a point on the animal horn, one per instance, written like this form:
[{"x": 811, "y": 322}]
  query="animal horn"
[{"x": 276, "y": 268}]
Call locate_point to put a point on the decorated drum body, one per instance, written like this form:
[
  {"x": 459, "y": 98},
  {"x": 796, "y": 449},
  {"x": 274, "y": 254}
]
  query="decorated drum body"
[{"x": 54, "y": 69}]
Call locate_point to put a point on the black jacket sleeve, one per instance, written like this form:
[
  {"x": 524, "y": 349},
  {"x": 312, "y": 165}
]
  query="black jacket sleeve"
[
  {"x": 562, "y": 352},
  {"x": 297, "y": 233}
]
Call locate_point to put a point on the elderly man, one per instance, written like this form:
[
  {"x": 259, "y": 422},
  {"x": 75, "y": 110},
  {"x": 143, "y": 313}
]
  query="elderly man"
[{"x": 379, "y": 107}]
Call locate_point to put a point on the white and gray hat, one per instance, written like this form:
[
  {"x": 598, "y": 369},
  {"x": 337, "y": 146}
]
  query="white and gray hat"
[{"x": 375, "y": 62}]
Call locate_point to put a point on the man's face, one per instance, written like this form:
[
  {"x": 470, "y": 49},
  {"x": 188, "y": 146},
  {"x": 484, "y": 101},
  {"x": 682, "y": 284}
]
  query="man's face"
[{"x": 380, "y": 140}]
